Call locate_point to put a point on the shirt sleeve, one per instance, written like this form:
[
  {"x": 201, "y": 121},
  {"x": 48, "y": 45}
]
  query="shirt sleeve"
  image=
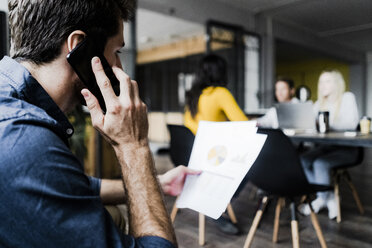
[
  {"x": 269, "y": 120},
  {"x": 230, "y": 107},
  {"x": 347, "y": 117},
  {"x": 190, "y": 123},
  {"x": 95, "y": 185},
  {"x": 153, "y": 242},
  {"x": 51, "y": 201}
]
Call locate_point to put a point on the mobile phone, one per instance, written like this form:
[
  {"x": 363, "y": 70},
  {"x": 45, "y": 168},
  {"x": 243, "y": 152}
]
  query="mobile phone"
[{"x": 80, "y": 60}]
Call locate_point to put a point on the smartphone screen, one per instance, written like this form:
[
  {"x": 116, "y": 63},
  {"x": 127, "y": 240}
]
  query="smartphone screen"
[{"x": 80, "y": 60}]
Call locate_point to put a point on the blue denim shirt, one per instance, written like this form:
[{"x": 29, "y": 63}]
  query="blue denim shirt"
[{"x": 46, "y": 200}]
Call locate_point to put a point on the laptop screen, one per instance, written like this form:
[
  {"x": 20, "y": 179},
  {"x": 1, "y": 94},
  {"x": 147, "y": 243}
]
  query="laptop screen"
[{"x": 296, "y": 116}]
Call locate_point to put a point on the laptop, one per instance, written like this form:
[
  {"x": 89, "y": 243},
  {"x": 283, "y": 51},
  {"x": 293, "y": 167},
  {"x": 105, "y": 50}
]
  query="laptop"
[{"x": 296, "y": 117}]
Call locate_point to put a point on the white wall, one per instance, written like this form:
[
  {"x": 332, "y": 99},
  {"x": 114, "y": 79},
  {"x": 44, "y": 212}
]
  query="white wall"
[
  {"x": 369, "y": 85},
  {"x": 4, "y": 5}
]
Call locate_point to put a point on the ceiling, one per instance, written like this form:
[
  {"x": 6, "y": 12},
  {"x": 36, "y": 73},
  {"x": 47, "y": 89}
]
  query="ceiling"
[{"x": 346, "y": 22}]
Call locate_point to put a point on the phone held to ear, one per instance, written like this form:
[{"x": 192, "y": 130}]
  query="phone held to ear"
[{"x": 80, "y": 60}]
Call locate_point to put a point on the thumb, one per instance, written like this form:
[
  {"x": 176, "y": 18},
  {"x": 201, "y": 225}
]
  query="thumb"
[{"x": 192, "y": 172}]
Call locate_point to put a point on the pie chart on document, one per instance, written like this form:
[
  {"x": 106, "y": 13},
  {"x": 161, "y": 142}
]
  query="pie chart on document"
[{"x": 217, "y": 155}]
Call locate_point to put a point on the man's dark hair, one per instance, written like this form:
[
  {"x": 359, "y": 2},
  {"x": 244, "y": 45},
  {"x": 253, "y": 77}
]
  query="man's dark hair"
[
  {"x": 287, "y": 80},
  {"x": 39, "y": 27}
]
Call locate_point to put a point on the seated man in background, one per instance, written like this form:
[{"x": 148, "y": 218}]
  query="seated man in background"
[
  {"x": 284, "y": 92},
  {"x": 47, "y": 200}
]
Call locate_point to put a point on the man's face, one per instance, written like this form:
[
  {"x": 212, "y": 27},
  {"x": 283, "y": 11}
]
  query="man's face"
[
  {"x": 282, "y": 91},
  {"x": 113, "y": 46}
]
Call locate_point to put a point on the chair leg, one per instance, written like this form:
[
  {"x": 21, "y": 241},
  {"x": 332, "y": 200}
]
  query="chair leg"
[
  {"x": 276, "y": 220},
  {"x": 201, "y": 229},
  {"x": 255, "y": 223},
  {"x": 231, "y": 214},
  {"x": 337, "y": 197},
  {"x": 317, "y": 228},
  {"x": 294, "y": 227},
  {"x": 174, "y": 212},
  {"x": 355, "y": 193}
]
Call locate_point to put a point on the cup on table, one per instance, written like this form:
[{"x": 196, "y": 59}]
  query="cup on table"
[
  {"x": 323, "y": 121},
  {"x": 365, "y": 125}
]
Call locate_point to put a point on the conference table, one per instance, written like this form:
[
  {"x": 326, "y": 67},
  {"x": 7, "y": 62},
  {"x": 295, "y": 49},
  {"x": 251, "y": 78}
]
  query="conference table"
[{"x": 334, "y": 138}]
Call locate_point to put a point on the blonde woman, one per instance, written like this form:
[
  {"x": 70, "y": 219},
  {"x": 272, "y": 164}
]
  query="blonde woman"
[{"x": 343, "y": 115}]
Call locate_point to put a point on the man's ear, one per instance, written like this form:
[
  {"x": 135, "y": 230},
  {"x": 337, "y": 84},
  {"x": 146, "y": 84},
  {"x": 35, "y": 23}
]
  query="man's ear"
[{"x": 75, "y": 38}]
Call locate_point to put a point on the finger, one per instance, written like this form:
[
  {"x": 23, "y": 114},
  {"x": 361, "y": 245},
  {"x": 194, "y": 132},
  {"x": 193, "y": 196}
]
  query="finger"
[
  {"x": 189, "y": 171},
  {"x": 136, "y": 97},
  {"x": 94, "y": 108},
  {"x": 103, "y": 81},
  {"x": 125, "y": 84}
]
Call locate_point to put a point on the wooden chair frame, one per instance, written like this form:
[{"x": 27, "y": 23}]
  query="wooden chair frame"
[
  {"x": 294, "y": 223},
  {"x": 230, "y": 213}
]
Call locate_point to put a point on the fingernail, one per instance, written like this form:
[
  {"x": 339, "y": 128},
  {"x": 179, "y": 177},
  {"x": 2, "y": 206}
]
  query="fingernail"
[
  {"x": 85, "y": 94},
  {"x": 96, "y": 60}
]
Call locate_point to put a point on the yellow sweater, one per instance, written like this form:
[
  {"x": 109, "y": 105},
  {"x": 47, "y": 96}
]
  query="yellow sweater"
[{"x": 215, "y": 104}]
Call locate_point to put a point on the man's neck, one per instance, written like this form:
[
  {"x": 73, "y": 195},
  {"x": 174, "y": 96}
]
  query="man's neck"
[{"x": 55, "y": 81}]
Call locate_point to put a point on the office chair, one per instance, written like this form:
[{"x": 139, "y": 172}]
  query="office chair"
[
  {"x": 340, "y": 172},
  {"x": 181, "y": 143},
  {"x": 278, "y": 172}
]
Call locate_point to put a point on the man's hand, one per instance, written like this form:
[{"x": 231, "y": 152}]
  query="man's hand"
[
  {"x": 173, "y": 180},
  {"x": 125, "y": 127},
  {"x": 125, "y": 122}
]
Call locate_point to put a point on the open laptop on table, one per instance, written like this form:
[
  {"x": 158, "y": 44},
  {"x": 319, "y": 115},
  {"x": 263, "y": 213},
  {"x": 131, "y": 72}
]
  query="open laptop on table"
[{"x": 296, "y": 117}]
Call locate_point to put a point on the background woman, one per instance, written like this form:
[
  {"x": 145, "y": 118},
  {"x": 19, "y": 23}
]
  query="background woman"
[
  {"x": 209, "y": 99},
  {"x": 343, "y": 115}
]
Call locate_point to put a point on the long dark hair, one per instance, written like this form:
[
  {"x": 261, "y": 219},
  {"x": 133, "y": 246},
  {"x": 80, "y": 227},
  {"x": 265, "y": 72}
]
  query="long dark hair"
[{"x": 212, "y": 72}]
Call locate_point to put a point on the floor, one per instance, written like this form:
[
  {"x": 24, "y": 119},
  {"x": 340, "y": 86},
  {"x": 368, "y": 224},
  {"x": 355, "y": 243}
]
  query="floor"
[{"x": 355, "y": 230}]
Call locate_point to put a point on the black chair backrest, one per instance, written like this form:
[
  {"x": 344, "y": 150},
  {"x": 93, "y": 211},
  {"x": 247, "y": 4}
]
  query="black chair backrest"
[
  {"x": 181, "y": 142},
  {"x": 360, "y": 155},
  {"x": 278, "y": 169},
  {"x": 3, "y": 34}
]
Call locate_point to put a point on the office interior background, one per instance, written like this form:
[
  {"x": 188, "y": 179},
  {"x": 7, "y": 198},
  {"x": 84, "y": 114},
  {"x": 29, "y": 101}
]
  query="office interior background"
[{"x": 260, "y": 39}]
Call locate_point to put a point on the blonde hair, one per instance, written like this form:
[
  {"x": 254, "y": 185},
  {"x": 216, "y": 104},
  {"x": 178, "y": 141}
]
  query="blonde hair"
[{"x": 339, "y": 84}]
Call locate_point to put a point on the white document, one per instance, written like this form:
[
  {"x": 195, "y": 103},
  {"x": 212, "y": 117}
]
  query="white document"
[{"x": 224, "y": 152}]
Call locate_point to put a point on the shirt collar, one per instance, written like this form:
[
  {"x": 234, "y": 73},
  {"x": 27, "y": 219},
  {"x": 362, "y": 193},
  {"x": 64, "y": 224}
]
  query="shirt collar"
[{"x": 32, "y": 92}]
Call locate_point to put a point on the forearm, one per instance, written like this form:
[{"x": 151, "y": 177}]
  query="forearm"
[
  {"x": 112, "y": 192},
  {"x": 147, "y": 212},
  {"x": 124, "y": 125}
]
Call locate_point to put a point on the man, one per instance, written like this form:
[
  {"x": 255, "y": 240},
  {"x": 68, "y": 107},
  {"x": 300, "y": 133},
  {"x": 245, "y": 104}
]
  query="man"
[
  {"x": 284, "y": 92},
  {"x": 46, "y": 200}
]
